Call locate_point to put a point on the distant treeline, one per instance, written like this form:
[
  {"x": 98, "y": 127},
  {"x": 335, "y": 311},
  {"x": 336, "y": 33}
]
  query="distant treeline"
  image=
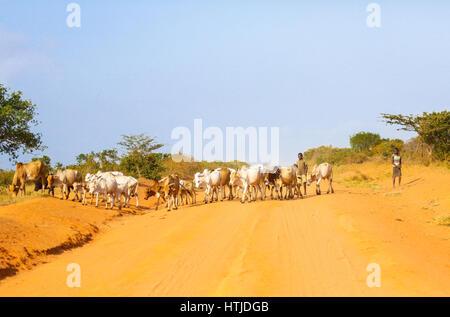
[
  {"x": 135, "y": 157},
  {"x": 138, "y": 156},
  {"x": 412, "y": 151}
]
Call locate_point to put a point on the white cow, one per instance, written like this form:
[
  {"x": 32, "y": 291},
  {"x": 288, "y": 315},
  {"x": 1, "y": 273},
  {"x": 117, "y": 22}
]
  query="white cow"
[
  {"x": 212, "y": 181},
  {"x": 319, "y": 172},
  {"x": 127, "y": 186},
  {"x": 252, "y": 178},
  {"x": 104, "y": 185}
]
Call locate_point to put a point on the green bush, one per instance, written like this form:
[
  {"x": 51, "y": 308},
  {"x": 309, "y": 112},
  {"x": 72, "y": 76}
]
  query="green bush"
[
  {"x": 6, "y": 178},
  {"x": 386, "y": 147}
]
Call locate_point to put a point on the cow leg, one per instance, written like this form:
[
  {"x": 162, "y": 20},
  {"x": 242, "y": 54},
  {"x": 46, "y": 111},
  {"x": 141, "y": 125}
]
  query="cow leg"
[
  {"x": 318, "y": 186},
  {"x": 43, "y": 185},
  {"x": 299, "y": 191},
  {"x": 169, "y": 203},
  {"x": 158, "y": 195},
  {"x": 212, "y": 191},
  {"x": 263, "y": 191},
  {"x": 330, "y": 186},
  {"x": 244, "y": 193},
  {"x": 207, "y": 192}
]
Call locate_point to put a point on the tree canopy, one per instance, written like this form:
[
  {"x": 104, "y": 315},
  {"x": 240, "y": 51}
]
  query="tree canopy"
[
  {"x": 139, "y": 158},
  {"x": 364, "y": 141},
  {"x": 433, "y": 129},
  {"x": 17, "y": 117}
]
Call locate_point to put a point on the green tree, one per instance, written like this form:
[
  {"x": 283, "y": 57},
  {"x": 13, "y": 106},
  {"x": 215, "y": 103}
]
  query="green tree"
[
  {"x": 17, "y": 117},
  {"x": 58, "y": 165},
  {"x": 109, "y": 160},
  {"x": 433, "y": 129},
  {"x": 364, "y": 141},
  {"x": 139, "y": 158}
]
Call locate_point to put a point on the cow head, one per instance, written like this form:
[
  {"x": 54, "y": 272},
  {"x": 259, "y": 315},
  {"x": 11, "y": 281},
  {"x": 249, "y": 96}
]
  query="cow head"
[
  {"x": 14, "y": 189},
  {"x": 197, "y": 178},
  {"x": 149, "y": 193},
  {"x": 51, "y": 180},
  {"x": 313, "y": 176}
]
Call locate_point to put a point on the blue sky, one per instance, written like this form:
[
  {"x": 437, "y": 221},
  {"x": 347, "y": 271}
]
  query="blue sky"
[{"x": 312, "y": 68}]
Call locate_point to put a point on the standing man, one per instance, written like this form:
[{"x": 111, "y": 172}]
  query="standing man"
[
  {"x": 302, "y": 171},
  {"x": 397, "y": 167}
]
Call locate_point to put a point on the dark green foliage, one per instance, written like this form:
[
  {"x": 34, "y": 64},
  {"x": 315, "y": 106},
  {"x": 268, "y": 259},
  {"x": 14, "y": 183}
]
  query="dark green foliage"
[
  {"x": 6, "y": 177},
  {"x": 364, "y": 141},
  {"x": 148, "y": 165},
  {"x": 334, "y": 155},
  {"x": 433, "y": 129},
  {"x": 106, "y": 160},
  {"x": 17, "y": 117},
  {"x": 139, "y": 158}
]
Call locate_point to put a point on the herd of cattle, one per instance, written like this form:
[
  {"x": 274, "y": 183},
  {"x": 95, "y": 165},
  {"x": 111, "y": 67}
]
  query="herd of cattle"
[{"x": 247, "y": 182}]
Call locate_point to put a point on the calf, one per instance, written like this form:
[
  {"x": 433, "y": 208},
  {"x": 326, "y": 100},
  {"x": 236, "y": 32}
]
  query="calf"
[
  {"x": 271, "y": 178},
  {"x": 81, "y": 188},
  {"x": 322, "y": 171}
]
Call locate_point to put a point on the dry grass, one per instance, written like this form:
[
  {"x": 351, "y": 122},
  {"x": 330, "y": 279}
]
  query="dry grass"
[
  {"x": 443, "y": 220},
  {"x": 6, "y": 197}
]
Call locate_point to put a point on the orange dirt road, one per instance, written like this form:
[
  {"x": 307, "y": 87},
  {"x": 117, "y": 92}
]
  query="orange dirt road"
[{"x": 317, "y": 246}]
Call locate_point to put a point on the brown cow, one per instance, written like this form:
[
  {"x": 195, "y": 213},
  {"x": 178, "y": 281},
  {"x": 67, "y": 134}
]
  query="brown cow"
[
  {"x": 187, "y": 191},
  {"x": 225, "y": 181},
  {"x": 64, "y": 179},
  {"x": 288, "y": 179},
  {"x": 167, "y": 188},
  {"x": 33, "y": 171}
]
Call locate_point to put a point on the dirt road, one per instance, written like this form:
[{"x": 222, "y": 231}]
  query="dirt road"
[{"x": 317, "y": 246}]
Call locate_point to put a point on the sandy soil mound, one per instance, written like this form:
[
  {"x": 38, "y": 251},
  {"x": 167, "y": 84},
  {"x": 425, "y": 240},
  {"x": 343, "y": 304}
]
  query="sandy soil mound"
[{"x": 32, "y": 230}]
